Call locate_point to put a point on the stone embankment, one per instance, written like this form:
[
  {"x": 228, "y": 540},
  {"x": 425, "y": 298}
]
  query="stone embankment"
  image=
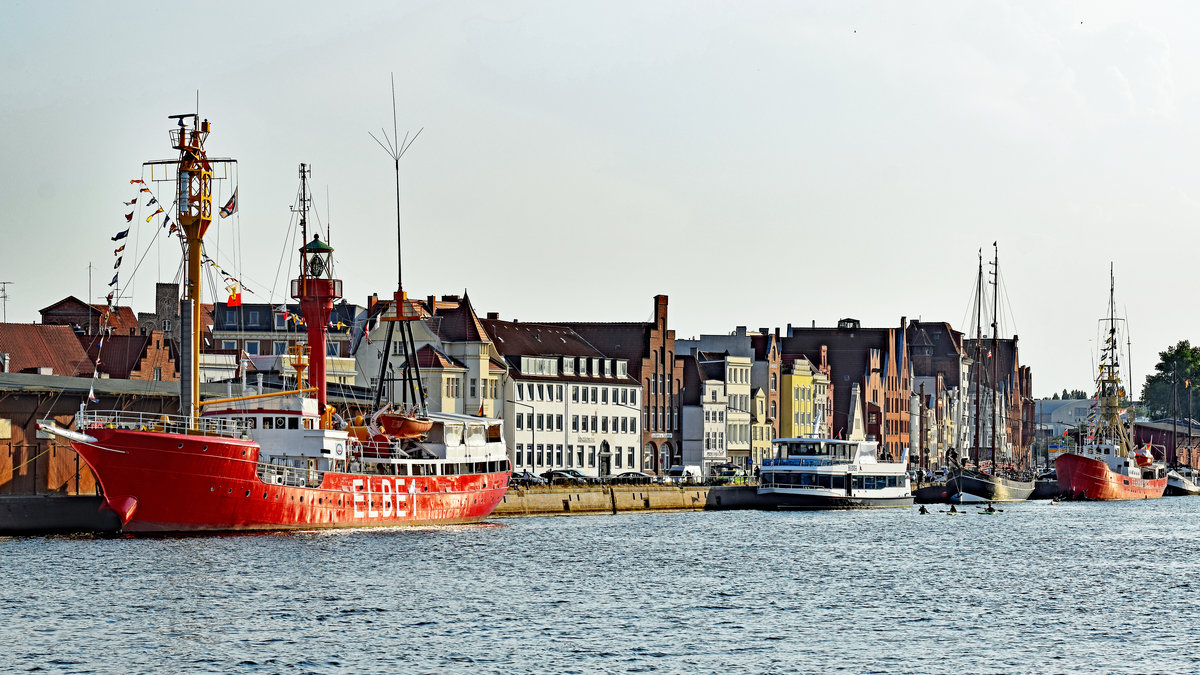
[{"x": 594, "y": 500}]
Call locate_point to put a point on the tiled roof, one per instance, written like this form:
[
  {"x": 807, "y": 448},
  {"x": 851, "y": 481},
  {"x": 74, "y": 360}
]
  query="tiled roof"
[
  {"x": 533, "y": 339},
  {"x": 430, "y": 357},
  {"x": 461, "y": 324},
  {"x": 33, "y": 346}
]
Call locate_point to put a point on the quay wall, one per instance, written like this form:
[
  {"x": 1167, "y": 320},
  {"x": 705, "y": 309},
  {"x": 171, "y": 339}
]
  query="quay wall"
[{"x": 557, "y": 501}]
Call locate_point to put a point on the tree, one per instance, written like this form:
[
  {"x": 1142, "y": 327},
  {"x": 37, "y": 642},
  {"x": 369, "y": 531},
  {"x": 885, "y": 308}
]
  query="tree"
[{"x": 1177, "y": 372}]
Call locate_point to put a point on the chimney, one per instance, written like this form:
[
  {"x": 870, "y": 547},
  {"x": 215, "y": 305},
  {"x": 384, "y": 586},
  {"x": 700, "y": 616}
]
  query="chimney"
[
  {"x": 740, "y": 331},
  {"x": 372, "y": 299},
  {"x": 814, "y": 323},
  {"x": 789, "y": 330},
  {"x": 493, "y": 316}
]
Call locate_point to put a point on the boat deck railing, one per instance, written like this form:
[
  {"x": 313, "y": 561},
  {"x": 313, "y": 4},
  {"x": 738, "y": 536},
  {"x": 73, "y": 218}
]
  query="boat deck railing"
[{"x": 144, "y": 421}]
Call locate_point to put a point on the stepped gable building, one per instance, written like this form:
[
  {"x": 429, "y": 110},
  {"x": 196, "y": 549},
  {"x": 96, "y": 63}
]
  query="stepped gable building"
[
  {"x": 766, "y": 374},
  {"x": 568, "y": 406},
  {"x": 649, "y": 349},
  {"x": 1000, "y": 370},
  {"x": 874, "y": 358},
  {"x": 133, "y": 357},
  {"x": 88, "y": 319},
  {"x": 43, "y": 349},
  {"x": 941, "y": 366}
]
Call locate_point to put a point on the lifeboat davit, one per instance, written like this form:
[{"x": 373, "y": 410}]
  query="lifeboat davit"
[{"x": 397, "y": 425}]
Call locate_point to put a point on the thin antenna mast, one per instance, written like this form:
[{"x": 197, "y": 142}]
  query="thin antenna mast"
[
  {"x": 396, "y": 147},
  {"x": 4, "y": 293}
]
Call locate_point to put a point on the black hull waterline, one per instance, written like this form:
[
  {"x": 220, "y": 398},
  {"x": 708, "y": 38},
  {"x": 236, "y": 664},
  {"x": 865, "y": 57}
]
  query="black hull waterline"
[{"x": 987, "y": 487}]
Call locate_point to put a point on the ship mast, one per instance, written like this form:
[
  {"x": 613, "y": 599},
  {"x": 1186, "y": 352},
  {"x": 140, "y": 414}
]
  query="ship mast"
[
  {"x": 1108, "y": 382},
  {"x": 193, "y": 198},
  {"x": 411, "y": 375},
  {"x": 995, "y": 412},
  {"x": 978, "y": 351}
]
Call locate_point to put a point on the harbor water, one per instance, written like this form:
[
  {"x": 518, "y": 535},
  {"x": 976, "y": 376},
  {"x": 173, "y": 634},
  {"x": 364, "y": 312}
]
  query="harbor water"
[{"x": 1041, "y": 587}]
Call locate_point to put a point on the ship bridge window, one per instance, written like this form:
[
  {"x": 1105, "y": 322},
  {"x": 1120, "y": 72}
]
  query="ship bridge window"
[
  {"x": 293, "y": 422},
  {"x": 268, "y": 422}
]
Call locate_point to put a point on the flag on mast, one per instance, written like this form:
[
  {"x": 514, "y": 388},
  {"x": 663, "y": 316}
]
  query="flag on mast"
[{"x": 230, "y": 207}]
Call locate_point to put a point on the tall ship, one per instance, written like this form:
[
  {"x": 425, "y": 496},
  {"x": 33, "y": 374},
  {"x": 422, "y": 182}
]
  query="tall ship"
[
  {"x": 984, "y": 476},
  {"x": 823, "y": 473},
  {"x": 1105, "y": 464},
  {"x": 283, "y": 460}
]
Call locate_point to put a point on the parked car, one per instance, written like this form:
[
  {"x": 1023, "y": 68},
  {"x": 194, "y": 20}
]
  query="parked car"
[
  {"x": 569, "y": 476},
  {"x": 525, "y": 479},
  {"x": 682, "y": 474},
  {"x": 632, "y": 478}
]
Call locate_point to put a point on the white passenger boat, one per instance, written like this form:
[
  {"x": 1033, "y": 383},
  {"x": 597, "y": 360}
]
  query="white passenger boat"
[{"x": 822, "y": 473}]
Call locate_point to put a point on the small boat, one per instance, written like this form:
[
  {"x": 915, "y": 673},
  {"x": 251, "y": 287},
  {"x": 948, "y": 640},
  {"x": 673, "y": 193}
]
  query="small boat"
[
  {"x": 1183, "y": 482},
  {"x": 401, "y": 425},
  {"x": 970, "y": 486},
  {"x": 823, "y": 473}
]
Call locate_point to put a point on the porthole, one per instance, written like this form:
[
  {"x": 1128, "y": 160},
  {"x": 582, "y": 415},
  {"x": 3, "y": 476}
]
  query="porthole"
[
  {"x": 264, "y": 495},
  {"x": 229, "y": 491},
  {"x": 181, "y": 446},
  {"x": 301, "y": 499},
  {"x": 211, "y": 488},
  {"x": 247, "y": 493},
  {"x": 206, "y": 448}
]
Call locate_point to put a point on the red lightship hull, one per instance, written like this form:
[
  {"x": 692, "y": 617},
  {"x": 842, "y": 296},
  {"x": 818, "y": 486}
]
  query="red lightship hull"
[
  {"x": 169, "y": 482},
  {"x": 1087, "y": 478}
]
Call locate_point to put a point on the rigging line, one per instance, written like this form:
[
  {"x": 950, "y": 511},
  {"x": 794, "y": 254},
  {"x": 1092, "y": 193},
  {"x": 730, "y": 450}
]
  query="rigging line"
[
  {"x": 1008, "y": 301},
  {"x": 293, "y": 230}
]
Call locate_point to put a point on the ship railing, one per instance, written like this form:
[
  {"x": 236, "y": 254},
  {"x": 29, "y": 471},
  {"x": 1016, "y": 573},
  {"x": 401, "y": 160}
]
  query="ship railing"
[
  {"x": 279, "y": 474},
  {"x": 803, "y": 461},
  {"x": 145, "y": 421}
]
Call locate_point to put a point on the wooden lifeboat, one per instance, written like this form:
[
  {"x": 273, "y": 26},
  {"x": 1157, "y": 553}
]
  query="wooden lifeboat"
[{"x": 398, "y": 425}]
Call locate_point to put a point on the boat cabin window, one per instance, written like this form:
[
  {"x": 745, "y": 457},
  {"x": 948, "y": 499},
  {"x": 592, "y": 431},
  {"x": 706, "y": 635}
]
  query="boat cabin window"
[
  {"x": 251, "y": 422},
  {"x": 293, "y": 422},
  {"x": 476, "y": 434}
]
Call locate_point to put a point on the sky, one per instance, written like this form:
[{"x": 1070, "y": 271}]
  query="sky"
[{"x": 760, "y": 163}]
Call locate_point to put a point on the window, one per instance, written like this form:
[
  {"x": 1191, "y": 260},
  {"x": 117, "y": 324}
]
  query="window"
[
  {"x": 595, "y": 397},
  {"x": 331, "y": 348},
  {"x": 558, "y": 392},
  {"x": 472, "y": 387},
  {"x": 230, "y": 317},
  {"x": 558, "y": 421},
  {"x": 541, "y": 420},
  {"x": 558, "y": 457},
  {"x": 631, "y": 459},
  {"x": 604, "y": 395},
  {"x": 604, "y": 424},
  {"x": 575, "y": 423},
  {"x": 252, "y": 347},
  {"x": 279, "y": 347},
  {"x": 520, "y": 454},
  {"x": 595, "y": 423},
  {"x": 541, "y": 456},
  {"x": 591, "y": 455},
  {"x": 574, "y": 393},
  {"x": 624, "y": 425},
  {"x": 280, "y": 321},
  {"x": 570, "y": 455},
  {"x": 166, "y": 325},
  {"x": 158, "y": 373},
  {"x": 520, "y": 391},
  {"x": 252, "y": 317},
  {"x": 541, "y": 392},
  {"x": 585, "y": 423},
  {"x": 520, "y": 422},
  {"x": 617, "y": 457},
  {"x": 585, "y": 394},
  {"x": 229, "y": 344}
]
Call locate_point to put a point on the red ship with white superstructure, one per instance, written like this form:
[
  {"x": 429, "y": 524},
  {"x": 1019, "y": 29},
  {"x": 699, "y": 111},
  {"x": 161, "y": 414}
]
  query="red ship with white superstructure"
[
  {"x": 283, "y": 460},
  {"x": 1105, "y": 465}
]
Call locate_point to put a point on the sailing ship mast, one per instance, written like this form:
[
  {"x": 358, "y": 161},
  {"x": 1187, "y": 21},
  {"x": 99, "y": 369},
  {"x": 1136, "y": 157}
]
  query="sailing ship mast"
[
  {"x": 1108, "y": 382},
  {"x": 995, "y": 353},
  {"x": 978, "y": 352}
]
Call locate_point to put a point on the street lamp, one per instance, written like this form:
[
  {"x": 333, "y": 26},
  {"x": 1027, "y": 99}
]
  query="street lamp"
[{"x": 532, "y": 435}]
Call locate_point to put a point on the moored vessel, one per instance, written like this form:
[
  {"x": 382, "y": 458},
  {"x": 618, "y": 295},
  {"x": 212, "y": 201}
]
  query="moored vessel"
[
  {"x": 822, "y": 473},
  {"x": 979, "y": 480},
  {"x": 281, "y": 460},
  {"x": 1104, "y": 464}
]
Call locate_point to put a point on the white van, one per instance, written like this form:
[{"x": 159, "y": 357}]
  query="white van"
[{"x": 682, "y": 474}]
